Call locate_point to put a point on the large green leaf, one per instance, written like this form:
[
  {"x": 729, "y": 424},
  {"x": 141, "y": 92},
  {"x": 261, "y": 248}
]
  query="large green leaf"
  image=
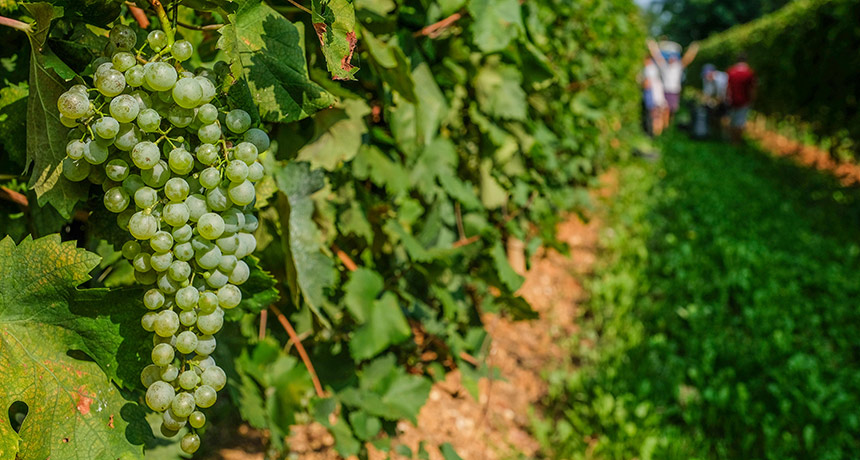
[
  {"x": 386, "y": 325},
  {"x": 74, "y": 410},
  {"x": 361, "y": 291},
  {"x": 268, "y": 64},
  {"x": 500, "y": 94},
  {"x": 496, "y": 23},
  {"x": 13, "y": 119},
  {"x": 338, "y": 133},
  {"x": 334, "y": 23},
  {"x": 387, "y": 391},
  {"x": 393, "y": 65},
  {"x": 46, "y": 136}
]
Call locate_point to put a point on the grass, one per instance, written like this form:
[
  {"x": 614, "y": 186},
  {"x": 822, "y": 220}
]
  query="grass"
[{"x": 724, "y": 318}]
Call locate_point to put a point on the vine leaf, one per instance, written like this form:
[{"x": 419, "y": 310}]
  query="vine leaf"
[
  {"x": 497, "y": 23},
  {"x": 269, "y": 73},
  {"x": 387, "y": 391},
  {"x": 334, "y": 24},
  {"x": 500, "y": 94},
  {"x": 338, "y": 133},
  {"x": 74, "y": 410},
  {"x": 386, "y": 325},
  {"x": 46, "y": 136}
]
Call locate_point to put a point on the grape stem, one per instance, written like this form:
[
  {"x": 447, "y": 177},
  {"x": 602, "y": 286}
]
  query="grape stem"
[
  {"x": 300, "y": 348},
  {"x": 164, "y": 20},
  {"x": 193, "y": 27},
  {"x": 16, "y": 24}
]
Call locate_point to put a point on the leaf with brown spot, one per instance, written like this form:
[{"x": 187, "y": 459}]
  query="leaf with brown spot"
[{"x": 334, "y": 23}]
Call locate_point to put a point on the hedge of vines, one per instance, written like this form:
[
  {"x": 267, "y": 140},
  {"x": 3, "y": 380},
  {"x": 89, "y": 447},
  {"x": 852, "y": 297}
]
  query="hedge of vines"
[
  {"x": 410, "y": 141},
  {"x": 805, "y": 57}
]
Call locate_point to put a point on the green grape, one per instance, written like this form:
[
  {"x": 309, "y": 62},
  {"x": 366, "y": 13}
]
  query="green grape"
[
  {"x": 129, "y": 136},
  {"x": 251, "y": 223},
  {"x": 156, "y": 176},
  {"x": 145, "y": 278},
  {"x": 160, "y": 76},
  {"x": 172, "y": 421},
  {"x": 111, "y": 83},
  {"x": 157, "y": 40},
  {"x": 181, "y": 162},
  {"x": 229, "y": 296},
  {"x": 186, "y": 298},
  {"x": 153, "y": 299},
  {"x": 75, "y": 170},
  {"x": 210, "y": 323},
  {"x": 210, "y": 226},
  {"x": 207, "y": 114},
  {"x": 190, "y": 443},
  {"x": 247, "y": 245},
  {"x": 205, "y": 345},
  {"x": 183, "y": 405},
  {"x": 147, "y": 321},
  {"x": 169, "y": 373},
  {"x": 68, "y": 122},
  {"x": 179, "y": 270},
  {"x": 145, "y": 155},
  {"x": 209, "y": 133},
  {"x": 157, "y": 339},
  {"x": 123, "y": 61},
  {"x": 180, "y": 116},
  {"x": 208, "y": 259},
  {"x": 234, "y": 220},
  {"x": 217, "y": 199},
  {"x": 162, "y": 354},
  {"x": 196, "y": 206},
  {"x": 183, "y": 234},
  {"x": 188, "y": 317},
  {"x": 208, "y": 302},
  {"x": 142, "y": 226},
  {"x": 214, "y": 377},
  {"x": 165, "y": 98},
  {"x": 176, "y": 188},
  {"x": 187, "y": 93},
  {"x": 123, "y": 37},
  {"x": 256, "y": 171},
  {"x": 238, "y": 121},
  {"x": 168, "y": 433},
  {"x": 124, "y": 108},
  {"x": 183, "y": 252},
  {"x": 148, "y": 120},
  {"x": 132, "y": 183},
  {"x": 197, "y": 419},
  {"x": 210, "y": 178},
  {"x": 240, "y": 273},
  {"x": 95, "y": 153},
  {"x": 258, "y": 137},
  {"x": 188, "y": 380},
  {"x": 242, "y": 193},
  {"x": 141, "y": 262},
  {"x": 106, "y": 127},
  {"x": 75, "y": 149},
  {"x": 73, "y": 104},
  {"x": 167, "y": 285},
  {"x": 135, "y": 76},
  {"x": 182, "y": 50},
  {"x": 166, "y": 325},
  {"x": 205, "y": 396},
  {"x": 228, "y": 244},
  {"x": 117, "y": 170},
  {"x": 208, "y": 88},
  {"x": 161, "y": 242},
  {"x": 130, "y": 249},
  {"x": 149, "y": 375},
  {"x": 216, "y": 279},
  {"x": 236, "y": 171},
  {"x": 97, "y": 176},
  {"x": 116, "y": 200},
  {"x": 161, "y": 261},
  {"x": 203, "y": 362},
  {"x": 145, "y": 197},
  {"x": 175, "y": 214},
  {"x": 246, "y": 152}
]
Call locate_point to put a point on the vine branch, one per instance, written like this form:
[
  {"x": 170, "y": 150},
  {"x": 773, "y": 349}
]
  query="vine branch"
[
  {"x": 301, "y": 349},
  {"x": 16, "y": 24},
  {"x": 138, "y": 14},
  {"x": 299, "y": 6},
  {"x": 345, "y": 258},
  {"x": 164, "y": 19},
  {"x": 193, "y": 27},
  {"x": 433, "y": 30}
]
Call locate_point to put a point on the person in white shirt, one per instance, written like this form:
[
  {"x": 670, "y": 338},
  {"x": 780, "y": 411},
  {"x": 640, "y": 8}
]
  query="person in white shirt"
[
  {"x": 672, "y": 71},
  {"x": 654, "y": 97},
  {"x": 714, "y": 84}
]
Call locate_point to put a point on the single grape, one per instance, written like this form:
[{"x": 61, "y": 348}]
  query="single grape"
[
  {"x": 167, "y": 285},
  {"x": 176, "y": 189},
  {"x": 188, "y": 318},
  {"x": 123, "y": 61},
  {"x": 175, "y": 214},
  {"x": 145, "y": 197},
  {"x": 183, "y": 234},
  {"x": 157, "y": 40},
  {"x": 197, "y": 206},
  {"x": 117, "y": 170},
  {"x": 75, "y": 149},
  {"x": 188, "y": 380},
  {"x": 160, "y": 76},
  {"x": 145, "y": 278},
  {"x": 208, "y": 302},
  {"x": 142, "y": 226},
  {"x": 234, "y": 220},
  {"x": 73, "y": 104},
  {"x": 135, "y": 76},
  {"x": 111, "y": 83},
  {"x": 186, "y": 298},
  {"x": 172, "y": 421},
  {"x": 149, "y": 375},
  {"x": 182, "y": 50},
  {"x": 210, "y": 178},
  {"x": 258, "y": 137},
  {"x": 167, "y": 324},
  {"x": 180, "y": 116},
  {"x": 95, "y": 153},
  {"x": 237, "y": 171},
  {"x": 167, "y": 432},
  {"x": 216, "y": 278},
  {"x": 130, "y": 249},
  {"x": 197, "y": 419},
  {"x": 157, "y": 339},
  {"x": 145, "y": 155},
  {"x": 183, "y": 404},
  {"x": 247, "y": 245},
  {"x": 210, "y": 226},
  {"x": 106, "y": 127},
  {"x": 207, "y": 114},
  {"x": 229, "y": 296},
  {"x": 187, "y": 93},
  {"x": 141, "y": 262},
  {"x": 205, "y": 396},
  {"x": 161, "y": 261},
  {"x": 228, "y": 244},
  {"x": 153, "y": 299},
  {"x": 123, "y": 37},
  {"x": 214, "y": 377},
  {"x": 68, "y": 122},
  {"x": 203, "y": 362},
  {"x": 162, "y": 241},
  {"x": 116, "y": 200},
  {"x": 162, "y": 354},
  {"x": 124, "y": 108},
  {"x": 183, "y": 251},
  {"x": 156, "y": 176},
  {"x": 208, "y": 88},
  {"x": 129, "y": 136},
  {"x": 242, "y": 193},
  {"x": 256, "y": 171},
  {"x": 208, "y": 258},
  {"x": 207, "y": 154},
  {"x": 132, "y": 183},
  {"x": 240, "y": 274},
  {"x": 148, "y": 120},
  {"x": 147, "y": 321},
  {"x": 238, "y": 121},
  {"x": 181, "y": 161},
  {"x": 217, "y": 199},
  {"x": 190, "y": 443},
  {"x": 205, "y": 345},
  {"x": 210, "y": 323},
  {"x": 209, "y": 133},
  {"x": 169, "y": 373}
]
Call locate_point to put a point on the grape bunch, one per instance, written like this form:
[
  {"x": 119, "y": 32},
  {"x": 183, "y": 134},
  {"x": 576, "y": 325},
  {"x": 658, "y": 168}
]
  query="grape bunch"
[{"x": 150, "y": 133}]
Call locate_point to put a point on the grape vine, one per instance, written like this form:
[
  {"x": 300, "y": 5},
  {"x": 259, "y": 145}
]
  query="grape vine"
[{"x": 190, "y": 215}]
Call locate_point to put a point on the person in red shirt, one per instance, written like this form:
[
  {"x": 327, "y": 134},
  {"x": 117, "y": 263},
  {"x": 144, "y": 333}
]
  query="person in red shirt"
[{"x": 740, "y": 93}]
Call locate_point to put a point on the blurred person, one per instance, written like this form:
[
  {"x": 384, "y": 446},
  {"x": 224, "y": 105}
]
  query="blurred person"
[
  {"x": 714, "y": 88},
  {"x": 653, "y": 97},
  {"x": 672, "y": 73},
  {"x": 741, "y": 92}
]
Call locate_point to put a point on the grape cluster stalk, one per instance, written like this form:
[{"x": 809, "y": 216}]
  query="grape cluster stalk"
[{"x": 151, "y": 134}]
